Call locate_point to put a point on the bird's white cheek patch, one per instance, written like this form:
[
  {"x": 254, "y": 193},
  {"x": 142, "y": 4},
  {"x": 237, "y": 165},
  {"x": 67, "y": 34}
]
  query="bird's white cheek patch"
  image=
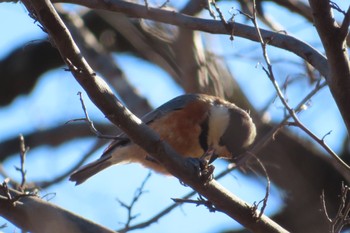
[{"x": 219, "y": 119}]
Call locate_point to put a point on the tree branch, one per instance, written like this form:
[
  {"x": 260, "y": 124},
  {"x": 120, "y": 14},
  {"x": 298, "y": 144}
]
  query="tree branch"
[
  {"x": 269, "y": 72},
  {"x": 51, "y": 137},
  {"x": 280, "y": 40},
  {"x": 102, "y": 96},
  {"x": 102, "y": 61},
  {"x": 333, "y": 41},
  {"x": 23, "y": 152},
  {"x": 33, "y": 214}
]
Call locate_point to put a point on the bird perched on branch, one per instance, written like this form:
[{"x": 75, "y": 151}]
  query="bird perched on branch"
[{"x": 193, "y": 124}]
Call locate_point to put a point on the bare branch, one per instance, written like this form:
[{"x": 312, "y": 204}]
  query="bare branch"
[
  {"x": 164, "y": 212},
  {"x": 23, "y": 152},
  {"x": 297, "y": 122},
  {"x": 280, "y": 40},
  {"x": 54, "y": 136},
  {"x": 266, "y": 198},
  {"x": 247, "y": 6},
  {"x": 342, "y": 218},
  {"x": 324, "y": 207},
  {"x": 333, "y": 40},
  {"x": 200, "y": 201},
  {"x": 42, "y": 184},
  {"x": 102, "y": 96},
  {"x": 31, "y": 213},
  {"x": 242, "y": 159},
  {"x": 129, "y": 207},
  {"x": 102, "y": 60},
  {"x": 344, "y": 29},
  {"x": 229, "y": 27},
  {"x": 167, "y": 210},
  {"x": 90, "y": 123},
  {"x": 158, "y": 216}
]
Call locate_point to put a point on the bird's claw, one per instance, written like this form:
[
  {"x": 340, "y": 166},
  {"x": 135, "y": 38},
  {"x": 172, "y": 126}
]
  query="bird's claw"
[{"x": 204, "y": 170}]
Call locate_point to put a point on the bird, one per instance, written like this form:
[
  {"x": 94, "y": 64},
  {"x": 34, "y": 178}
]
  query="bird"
[{"x": 192, "y": 124}]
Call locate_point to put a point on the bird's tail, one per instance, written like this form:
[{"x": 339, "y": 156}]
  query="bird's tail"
[{"x": 85, "y": 172}]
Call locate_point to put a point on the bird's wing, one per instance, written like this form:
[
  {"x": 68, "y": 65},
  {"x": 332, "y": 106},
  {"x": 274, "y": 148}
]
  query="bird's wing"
[
  {"x": 104, "y": 161},
  {"x": 175, "y": 104}
]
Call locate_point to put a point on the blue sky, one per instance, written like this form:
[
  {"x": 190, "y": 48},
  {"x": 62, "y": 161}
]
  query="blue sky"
[{"x": 54, "y": 101}]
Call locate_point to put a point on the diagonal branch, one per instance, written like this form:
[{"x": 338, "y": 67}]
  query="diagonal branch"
[
  {"x": 103, "y": 98},
  {"x": 269, "y": 72}
]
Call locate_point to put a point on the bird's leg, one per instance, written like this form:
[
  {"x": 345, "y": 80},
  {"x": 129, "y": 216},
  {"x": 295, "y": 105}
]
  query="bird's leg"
[
  {"x": 209, "y": 156},
  {"x": 207, "y": 168},
  {"x": 203, "y": 165}
]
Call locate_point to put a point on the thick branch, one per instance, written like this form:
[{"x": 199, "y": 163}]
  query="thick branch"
[
  {"x": 333, "y": 40},
  {"x": 103, "y": 97},
  {"x": 33, "y": 214},
  {"x": 292, "y": 44}
]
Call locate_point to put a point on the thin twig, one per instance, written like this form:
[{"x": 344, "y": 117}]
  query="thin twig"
[
  {"x": 90, "y": 122},
  {"x": 164, "y": 4},
  {"x": 336, "y": 7},
  {"x": 267, "y": 192},
  {"x": 228, "y": 26},
  {"x": 129, "y": 207},
  {"x": 200, "y": 201},
  {"x": 34, "y": 185},
  {"x": 167, "y": 210},
  {"x": 211, "y": 12},
  {"x": 158, "y": 216},
  {"x": 4, "y": 188},
  {"x": 21, "y": 169},
  {"x": 13, "y": 198},
  {"x": 344, "y": 29},
  {"x": 270, "y": 74},
  {"x": 342, "y": 218},
  {"x": 221, "y": 15},
  {"x": 241, "y": 159},
  {"x": 324, "y": 207}
]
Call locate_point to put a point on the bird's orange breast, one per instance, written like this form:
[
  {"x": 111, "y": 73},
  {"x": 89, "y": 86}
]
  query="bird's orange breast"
[{"x": 181, "y": 128}]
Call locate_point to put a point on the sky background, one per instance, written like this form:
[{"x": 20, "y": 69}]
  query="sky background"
[{"x": 54, "y": 101}]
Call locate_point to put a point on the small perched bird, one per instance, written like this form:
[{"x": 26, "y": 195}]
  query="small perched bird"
[{"x": 193, "y": 124}]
